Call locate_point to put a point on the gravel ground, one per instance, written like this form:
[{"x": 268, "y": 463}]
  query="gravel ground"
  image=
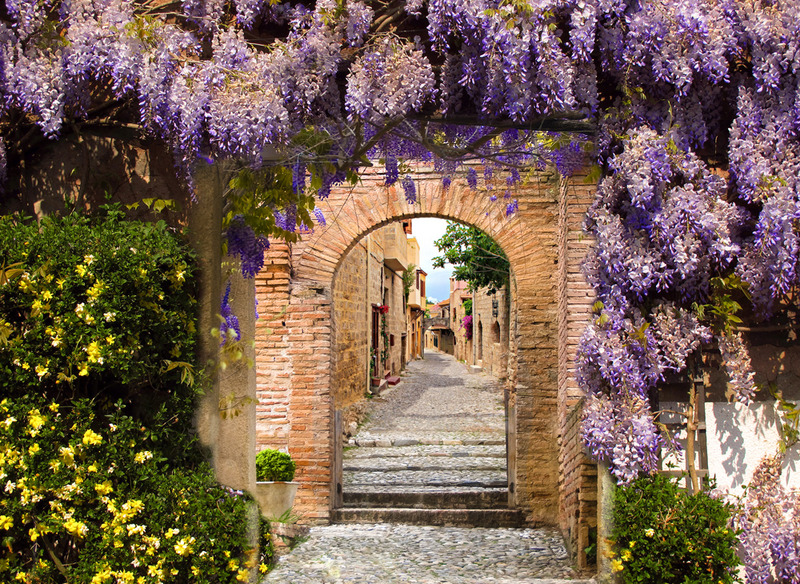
[{"x": 404, "y": 554}]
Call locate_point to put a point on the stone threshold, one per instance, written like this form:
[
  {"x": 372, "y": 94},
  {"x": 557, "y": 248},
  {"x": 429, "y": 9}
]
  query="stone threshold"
[{"x": 387, "y": 442}]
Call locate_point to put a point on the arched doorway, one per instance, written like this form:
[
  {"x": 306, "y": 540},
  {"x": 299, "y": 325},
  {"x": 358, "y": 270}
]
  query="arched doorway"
[{"x": 295, "y": 332}]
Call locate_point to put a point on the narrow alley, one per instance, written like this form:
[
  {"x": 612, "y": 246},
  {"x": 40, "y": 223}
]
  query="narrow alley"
[{"x": 425, "y": 494}]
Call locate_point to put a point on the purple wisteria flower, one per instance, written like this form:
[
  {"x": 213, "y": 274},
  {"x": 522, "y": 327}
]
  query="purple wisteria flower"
[
  {"x": 246, "y": 245},
  {"x": 229, "y": 330}
]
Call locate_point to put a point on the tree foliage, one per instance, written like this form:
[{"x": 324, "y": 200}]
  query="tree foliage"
[{"x": 476, "y": 258}]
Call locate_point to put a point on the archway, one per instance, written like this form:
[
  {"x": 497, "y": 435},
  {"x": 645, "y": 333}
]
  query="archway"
[{"x": 294, "y": 333}]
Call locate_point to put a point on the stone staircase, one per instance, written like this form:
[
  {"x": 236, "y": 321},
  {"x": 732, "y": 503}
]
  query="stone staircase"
[{"x": 456, "y": 483}]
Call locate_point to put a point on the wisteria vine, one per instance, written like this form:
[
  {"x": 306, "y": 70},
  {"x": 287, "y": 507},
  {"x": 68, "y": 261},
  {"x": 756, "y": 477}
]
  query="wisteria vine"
[{"x": 694, "y": 105}]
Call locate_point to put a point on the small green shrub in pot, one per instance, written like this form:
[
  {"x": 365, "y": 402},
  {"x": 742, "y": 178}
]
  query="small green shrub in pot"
[{"x": 274, "y": 465}]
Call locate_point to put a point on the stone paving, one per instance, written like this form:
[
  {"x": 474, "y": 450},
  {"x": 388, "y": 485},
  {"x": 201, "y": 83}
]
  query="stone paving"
[
  {"x": 440, "y": 429},
  {"x": 409, "y": 554}
]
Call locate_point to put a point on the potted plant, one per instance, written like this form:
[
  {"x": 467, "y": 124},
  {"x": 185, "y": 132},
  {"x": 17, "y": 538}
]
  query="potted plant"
[{"x": 275, "y": 490}]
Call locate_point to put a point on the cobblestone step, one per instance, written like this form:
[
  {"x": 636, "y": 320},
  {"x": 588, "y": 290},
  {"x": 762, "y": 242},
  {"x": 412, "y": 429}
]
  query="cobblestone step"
[
  {"x": 410, "y": 554},
  {"x": 466, "y": 499},
  {"x": 439, "y": 517},
  {"x": 425, "y": 489},
  {"x": 369, "y": 441},
  {"x": 412, "y": 478},
  {"x": 439, "y": 451},
  {"x": 427, "y": 464}
]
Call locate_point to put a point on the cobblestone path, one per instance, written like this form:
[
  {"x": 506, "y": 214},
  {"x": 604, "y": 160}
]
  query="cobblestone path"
[{"x": 439, "y": 433}]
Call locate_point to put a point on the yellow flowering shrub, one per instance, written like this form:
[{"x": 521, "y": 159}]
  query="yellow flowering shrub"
[
  {"x": 94, "y": 301},
  {"x": 101, "y": 477},
  {"x": 80, "y": 506}
]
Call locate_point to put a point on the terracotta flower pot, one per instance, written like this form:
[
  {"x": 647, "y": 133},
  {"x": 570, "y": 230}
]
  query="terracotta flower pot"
[{"x": 274, "y": 498}]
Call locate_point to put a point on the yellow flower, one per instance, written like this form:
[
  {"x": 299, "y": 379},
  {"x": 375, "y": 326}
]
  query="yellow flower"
[
  {"x": 96, "y": 290},
  {"x": 53, "y": 407},
  {"x": 74, "y": 527},
  {"x": 91, "y": 468},
  {"x": 650, "y": 532},
  {"x": 233, "y": 565},
  {"x": 263, "y": 568},
  {"x": 92, "y": 438},
  {"x": 47, "y": 295},
  {"x": 616, "y": 566},
  {"x": 184, "y": 546},
  {"x": 25, "y": 366},
  {"x": 41, "y": 371},
  {"x": 195, "y": 571},
  {"x": 83, "y": 369},
  {"x": 102, "y": 576},
  {"x": 34, "y": 449},
  {"x": 104, "y": 488},
  {"x": 110, "y": 339},
  {"x": 80, "y": 269},
  {"x": 6, "y": 522},
  {"x": 243, "y": 575},
  {"x": 143, "y": 456},
  {"x": 626, "y": 555},
  {"x": 35, "y": 419},
  {"x": 60, "y": 283},
  {"x": 93, "y": 352}
]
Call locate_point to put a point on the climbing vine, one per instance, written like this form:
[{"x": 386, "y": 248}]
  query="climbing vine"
[{"x": 688, "y": 108}]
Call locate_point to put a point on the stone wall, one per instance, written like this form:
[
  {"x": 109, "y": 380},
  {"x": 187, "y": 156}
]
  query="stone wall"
[
  {"x": 85, "y": 171},
  {"x": 351, "y": 334},
  {"x": 577, "y": 474},
  {"x": 578, "y": 486},
  {"x": 491, "y": 332},
  {"x": 395, "y": 320}
]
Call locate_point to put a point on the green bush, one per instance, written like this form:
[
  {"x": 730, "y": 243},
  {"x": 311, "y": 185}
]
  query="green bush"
[
  {"x": 664, "y": 535},
  {"x": 103, "y": 480},
  {"x": 273, "y": 465},
  {"x": 94, "y": 305},
  {"x": 91, "y": 498}
]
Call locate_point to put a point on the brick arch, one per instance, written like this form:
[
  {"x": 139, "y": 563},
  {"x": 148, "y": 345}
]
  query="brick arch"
[{"x": 295, "y": 333}]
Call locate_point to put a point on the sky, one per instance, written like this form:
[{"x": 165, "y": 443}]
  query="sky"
[{"x": 426, "y": 231}]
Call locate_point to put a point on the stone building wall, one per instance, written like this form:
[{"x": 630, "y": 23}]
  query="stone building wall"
[
  {"x": 491, "y": 332},
  {"x": 395, "y": 320},
  {"x": 352, "y": 300}
]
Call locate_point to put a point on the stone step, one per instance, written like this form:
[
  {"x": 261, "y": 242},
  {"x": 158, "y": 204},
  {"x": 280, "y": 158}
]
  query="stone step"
[
  {"x": 369, "y": 441},
  {"x": 440, "y": 517},
  {"x": 412, "y": 478},
  {"x": 437, "y": 451},
  {"x": 426, "y": 464},
  {"x": 377, "y": 488},
  {"x": 467, "y": 499}
]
